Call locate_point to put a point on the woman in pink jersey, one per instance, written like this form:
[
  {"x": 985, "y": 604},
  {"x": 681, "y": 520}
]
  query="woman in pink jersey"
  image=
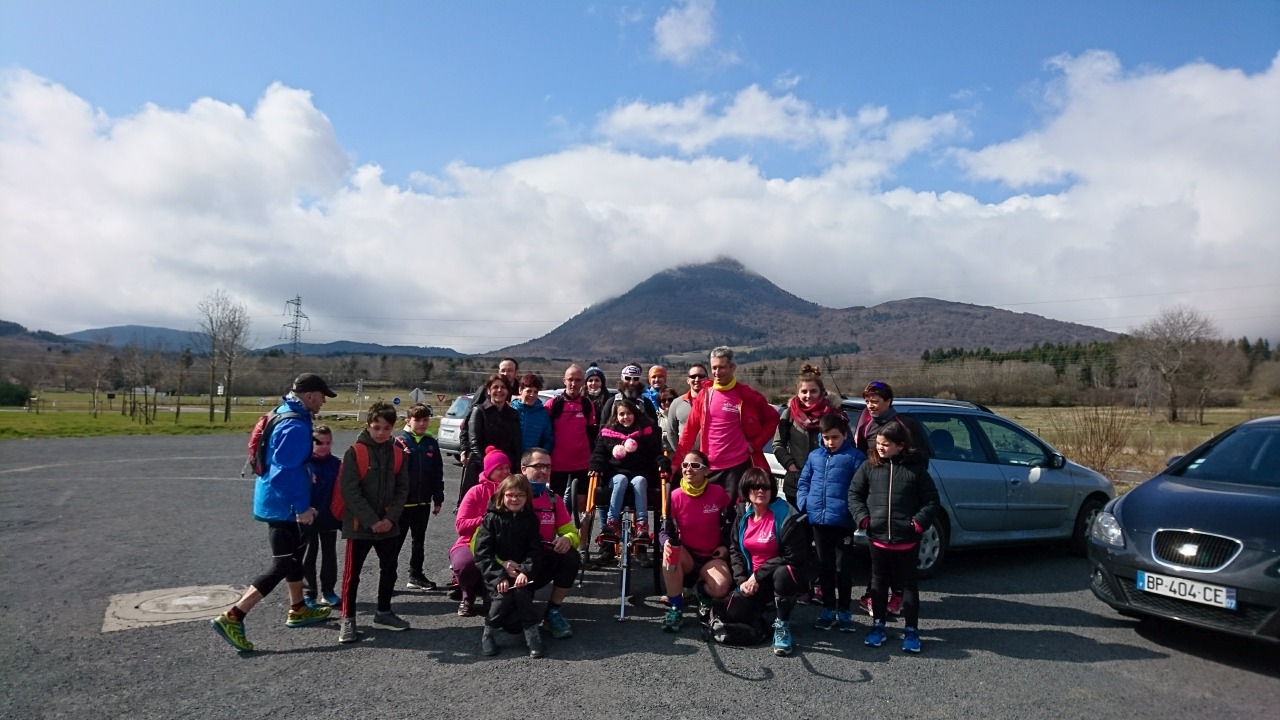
[
  {"x": 694, "y": 542},
  {"x": 771, "y": 558}
]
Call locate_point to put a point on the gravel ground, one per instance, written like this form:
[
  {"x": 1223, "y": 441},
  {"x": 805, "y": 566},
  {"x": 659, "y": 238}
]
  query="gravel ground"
[{"x": 1008, "y": 633}]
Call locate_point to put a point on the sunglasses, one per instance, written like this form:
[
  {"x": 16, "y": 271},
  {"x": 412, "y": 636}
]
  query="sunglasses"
[
  {"x": 632, "y": 379},
  {"x": 697, "y": 377},
  {"x": 692, "y": 466}
]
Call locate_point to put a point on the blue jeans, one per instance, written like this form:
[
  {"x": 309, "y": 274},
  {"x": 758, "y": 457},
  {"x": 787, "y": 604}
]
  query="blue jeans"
[{"x": 618, "y": 490}]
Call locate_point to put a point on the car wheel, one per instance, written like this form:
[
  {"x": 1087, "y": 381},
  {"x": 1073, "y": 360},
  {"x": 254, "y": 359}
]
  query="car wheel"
[
  {"x": 933, "y": 548},
  {"x": 1089, "y": 510}
]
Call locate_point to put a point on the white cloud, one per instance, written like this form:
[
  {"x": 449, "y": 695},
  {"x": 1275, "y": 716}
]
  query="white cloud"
[
  {"x": 697, "y": 123},
  {"x": 684, "y": 31},
  {"x": 112, "y": 220}
]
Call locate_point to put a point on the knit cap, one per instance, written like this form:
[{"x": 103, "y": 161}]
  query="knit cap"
[
  {"x": 595, "y": 371},
  {"x": 493, "y": 459}
]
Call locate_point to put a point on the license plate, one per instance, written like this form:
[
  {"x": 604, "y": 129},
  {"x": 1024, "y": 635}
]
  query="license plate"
[
  {"x": 451, "y": 434},
  {"x": 1183, "y": 589}
]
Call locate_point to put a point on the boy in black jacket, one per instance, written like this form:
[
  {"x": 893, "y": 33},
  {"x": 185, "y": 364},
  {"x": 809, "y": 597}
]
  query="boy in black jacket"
[{"x": 426, "y": 489}]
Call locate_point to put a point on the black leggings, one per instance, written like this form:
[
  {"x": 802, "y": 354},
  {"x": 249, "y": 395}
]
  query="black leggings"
[
  {"x": 562, "y": 570},
  {"x": 388, "y": 551},
  {"x": 834, "y": 546},
  {"x": 287, "y": 548},
  {"x": 895, "y": 567},
  {"x": 322, "y": 543},
  {"x": 780, "y": 589}
]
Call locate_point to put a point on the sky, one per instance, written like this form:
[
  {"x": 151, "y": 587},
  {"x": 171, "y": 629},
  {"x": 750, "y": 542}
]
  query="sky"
[{"x": 472, "y": 175}]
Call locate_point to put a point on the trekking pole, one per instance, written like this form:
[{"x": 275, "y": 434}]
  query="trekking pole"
[{"x": 625, "y": 546}]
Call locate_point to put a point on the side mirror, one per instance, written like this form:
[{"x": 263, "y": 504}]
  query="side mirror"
[
  {"x": 1173, "y": 460},
  {"x": 1057, "y": 461}
]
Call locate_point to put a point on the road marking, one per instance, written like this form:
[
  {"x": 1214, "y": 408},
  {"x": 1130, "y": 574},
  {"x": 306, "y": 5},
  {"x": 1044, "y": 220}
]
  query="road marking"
[{"x": 82, "y": 463}]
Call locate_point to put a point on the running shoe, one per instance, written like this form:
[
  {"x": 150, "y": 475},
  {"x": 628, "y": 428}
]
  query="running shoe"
[
  {"x": 844, "y": 619},
  {"x": 306, "y": 616},
  {"x": 910, "y": 640},
  {"x": 533, "y": 638},
  {"x": 865, "y": 604},
  {"x": 826, "y": 620},
  {"x": 388, "y": 620},
  {"x": 673, "y": 621},
  {"x": 466, "y": 609},
  {"x": 642, "y": 532},
  {"x": 232, "y": 631},
  {"x": 418, "y": 581},
  {"x": 313, "y": 603},
  {"x": 894, "y": 608},
  {"x": 781, "y": 638},
  {"x": 347, "y": 631},
  {"x": 332, "y": 599},
  {"x": 555, "y": 624},
  {"x": 875, "y": 636}
]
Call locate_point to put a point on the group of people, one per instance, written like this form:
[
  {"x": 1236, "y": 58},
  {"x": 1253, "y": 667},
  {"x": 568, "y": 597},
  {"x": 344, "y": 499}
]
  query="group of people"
[{"x": 746, "y": 553}]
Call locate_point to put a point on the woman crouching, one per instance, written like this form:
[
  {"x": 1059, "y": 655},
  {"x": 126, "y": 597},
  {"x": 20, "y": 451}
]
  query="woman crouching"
[{"x": 770, "y": 557}]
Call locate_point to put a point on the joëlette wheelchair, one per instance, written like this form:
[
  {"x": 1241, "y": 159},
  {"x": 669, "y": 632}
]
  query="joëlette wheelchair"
[{"x": 627, "y": 541}]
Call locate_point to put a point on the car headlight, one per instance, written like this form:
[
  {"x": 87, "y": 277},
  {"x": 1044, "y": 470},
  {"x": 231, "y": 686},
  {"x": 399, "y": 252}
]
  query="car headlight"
[{"x": 1106, "y": 530}]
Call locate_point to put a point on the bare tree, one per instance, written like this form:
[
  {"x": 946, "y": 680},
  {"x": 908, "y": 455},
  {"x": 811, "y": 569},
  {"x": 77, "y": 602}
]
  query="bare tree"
[
  {"x": 185, "y": 361},
  {"x": 224, "y": 331},
  {"x": 1167, "y": 348},
  {"x": 1213, "y": 365},
  {"x": 96, "y": 366}
]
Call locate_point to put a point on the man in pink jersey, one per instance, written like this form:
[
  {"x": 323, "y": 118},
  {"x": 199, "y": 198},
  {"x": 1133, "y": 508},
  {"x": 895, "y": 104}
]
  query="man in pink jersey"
[
  {"x": 574, "y": 427},
  {"x": 561, "y": 560},
  {"x": 731, "y": 423},
  {"x": 694, "y": 541}
]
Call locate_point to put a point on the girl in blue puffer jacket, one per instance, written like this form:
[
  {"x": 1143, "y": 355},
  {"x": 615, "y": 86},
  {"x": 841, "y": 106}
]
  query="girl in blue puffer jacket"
[{"x": 822, "y": 491}]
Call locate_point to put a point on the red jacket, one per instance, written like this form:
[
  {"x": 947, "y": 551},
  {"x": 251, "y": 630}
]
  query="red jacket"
[{"x": 759, "y": 421}]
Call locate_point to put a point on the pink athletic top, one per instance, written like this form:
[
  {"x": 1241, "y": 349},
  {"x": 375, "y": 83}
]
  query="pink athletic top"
[
  {"x": 698, "y": 518},
  {"x": 474, "y": 505},
  {"x": 572, "y": 450},
  {"x": 726, "y": 443},
  {"x": 760, "y": 540}
]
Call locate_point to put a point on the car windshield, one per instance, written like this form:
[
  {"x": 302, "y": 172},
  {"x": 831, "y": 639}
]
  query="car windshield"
[
  {"x": 1249, "y": 455},
  {"x": 459, "y": 407}
]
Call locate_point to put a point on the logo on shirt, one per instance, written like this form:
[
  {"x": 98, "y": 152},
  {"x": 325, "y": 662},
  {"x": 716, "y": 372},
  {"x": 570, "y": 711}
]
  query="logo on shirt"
[
  {"x": 710, "y": 509},
  {"x": 765, "y": 534},
  {"x": 731, "y": 407}
]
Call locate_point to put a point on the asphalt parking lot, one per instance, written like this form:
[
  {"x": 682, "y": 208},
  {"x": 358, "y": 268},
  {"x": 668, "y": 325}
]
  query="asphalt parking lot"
[{"x": 1008, "y": 633}]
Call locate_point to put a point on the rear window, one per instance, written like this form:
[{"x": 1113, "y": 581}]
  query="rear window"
[
  {"x": 459, "y": 407},
  {"x": 1250, "y": 456}
]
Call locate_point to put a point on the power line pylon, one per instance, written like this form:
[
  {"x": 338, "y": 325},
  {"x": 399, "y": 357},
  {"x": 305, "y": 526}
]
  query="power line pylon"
[{"x": 297, "y": 323}]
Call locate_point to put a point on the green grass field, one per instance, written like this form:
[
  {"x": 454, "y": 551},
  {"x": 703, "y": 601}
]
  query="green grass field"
[{"x": 71, "y": 415}]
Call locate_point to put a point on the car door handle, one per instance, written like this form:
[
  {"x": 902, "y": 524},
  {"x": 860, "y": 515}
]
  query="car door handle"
[{"x": 1015, "y": 481}]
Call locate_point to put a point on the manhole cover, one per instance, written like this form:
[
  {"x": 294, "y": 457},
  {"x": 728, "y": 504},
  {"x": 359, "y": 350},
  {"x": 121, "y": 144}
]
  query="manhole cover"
[{"x": 172, "y": 605}]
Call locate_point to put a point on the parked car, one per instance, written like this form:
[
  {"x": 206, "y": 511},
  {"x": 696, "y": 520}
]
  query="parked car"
[
  {"x": 1200, "y": 542},
  {"x": 450, "y": 432},
  {"x": 998, "y": 483}
]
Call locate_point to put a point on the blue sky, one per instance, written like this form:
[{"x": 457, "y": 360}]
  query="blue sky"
[{"x": 1072, "y": 143}]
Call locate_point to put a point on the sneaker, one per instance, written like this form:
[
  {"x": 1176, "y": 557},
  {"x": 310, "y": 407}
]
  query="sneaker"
[
  {"x": 805, "y": 598},
  {"x": 610, "y": 531},
  {"x": 605, "y": 557},
  {"x": 826, "y": 620},
  {"x": 781, "y": 638},
  {"x": 555, "y": 624},
  {"x": 704, "y": 606},
  {"x": 642, "y": 532},
  {"x": 894, "y": 608},
  {"x": 910, "y": 640},
  {"x": 865, "y": 604},
  {"x": 389, "y": 621},
  {"x": 332, "y": 599},
  {"x": 418, "y": 581},
  {"x": 673, "y": 621},
  {"x": 347, "y": 631},
  {"x": 844, "y": 619},
  {"x": 314, "y": 603},
  {"x": 466, "y": 609},
  {"x": 643, "y": 558},
  {"x": 307, "y": 616},
  {"x": 488, "y": 643},
  {"x": 232, "y": 631},
  {"x": 533, "y": 638},
  {"x": 875, "y": 636}
]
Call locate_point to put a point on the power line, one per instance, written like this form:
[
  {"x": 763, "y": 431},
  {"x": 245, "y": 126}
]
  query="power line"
[{"x": 295, "y": 326}]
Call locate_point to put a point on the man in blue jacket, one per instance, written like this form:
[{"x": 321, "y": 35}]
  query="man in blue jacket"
[{"x": 282, "y": 499}]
